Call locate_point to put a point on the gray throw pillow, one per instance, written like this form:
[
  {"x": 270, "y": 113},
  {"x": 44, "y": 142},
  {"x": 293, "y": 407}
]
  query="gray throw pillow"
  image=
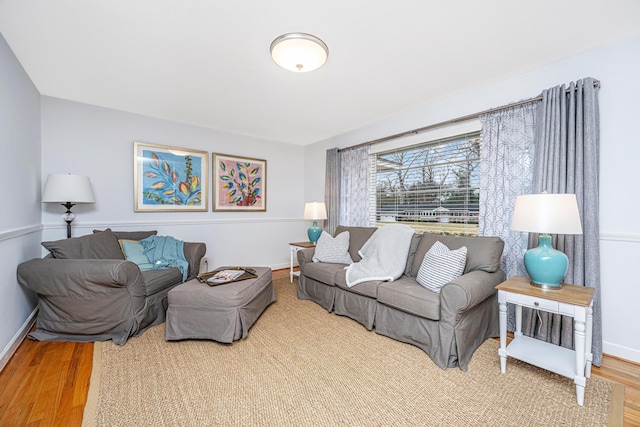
[
  {"x": 102, "y": 245},
  {"x": 130, "y": 235},
  {"x": 333, "y": 250},
  {"x": 440, "y": 266},
  {"x": 483, "y": 253}
]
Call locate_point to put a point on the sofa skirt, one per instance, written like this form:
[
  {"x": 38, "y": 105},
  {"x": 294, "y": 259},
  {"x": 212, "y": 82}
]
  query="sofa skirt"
[
  {"x": 312, "y": 290},
  {"x": 449, "y": 344},
  {"x": 418, "y": 331},
  {"x": 360, "y": 308}
]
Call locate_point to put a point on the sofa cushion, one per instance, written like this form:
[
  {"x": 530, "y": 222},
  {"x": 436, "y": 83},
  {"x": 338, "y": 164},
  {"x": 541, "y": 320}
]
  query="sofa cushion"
[
  {"x": 407, "y": 295},
  {"x": 159, "y": 280},
  {"x": 483, "y": 253},
  {"x": 134, "y": 252},
  {"x": 321, "y": 271},
  {"x": 333, "y": 249},
  {"x": 440, "y": 266},
  {"x": 102, "y": 245},
  {"x": 130, "y": 235},
  {"x": 357, "y": 237},
  {"x": 368, "y": 289}
]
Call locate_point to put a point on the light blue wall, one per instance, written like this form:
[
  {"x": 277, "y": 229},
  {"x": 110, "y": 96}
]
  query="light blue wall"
[
  {"x": 98, "y": 142},
  {"x": 21, "y": 209},
  {"x": 618, "y": 67}
]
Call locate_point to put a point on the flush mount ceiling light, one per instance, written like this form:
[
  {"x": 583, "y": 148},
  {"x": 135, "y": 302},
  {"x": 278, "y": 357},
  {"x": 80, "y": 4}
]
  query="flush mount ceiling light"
[{"x": 299, "y": 52}]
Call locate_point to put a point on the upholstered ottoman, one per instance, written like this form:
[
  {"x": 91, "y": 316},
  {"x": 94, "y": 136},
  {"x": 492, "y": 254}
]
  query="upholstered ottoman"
[{"x": 222, "y": 313}]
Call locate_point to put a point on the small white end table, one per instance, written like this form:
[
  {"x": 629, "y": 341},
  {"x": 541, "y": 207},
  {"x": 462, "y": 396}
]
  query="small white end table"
[
  {"x": 294, "y": 248},
  {"x": 570, "y": 300}
]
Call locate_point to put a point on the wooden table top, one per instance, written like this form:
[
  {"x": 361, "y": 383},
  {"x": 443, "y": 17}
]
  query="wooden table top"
[
  {"x": 306, "y": 244},
  {"x": 570, "y": 294}
]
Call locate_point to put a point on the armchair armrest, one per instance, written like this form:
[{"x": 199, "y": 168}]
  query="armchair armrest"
[
  {"x": 80, "y": 277},
  {"x": 305, "y": 255},
  {"x": 193, "y": 252},
  {"x": 467, "y": 291}
]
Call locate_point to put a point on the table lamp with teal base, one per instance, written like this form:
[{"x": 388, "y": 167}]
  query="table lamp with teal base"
[
  {"x": 548, "y": 214},
  {"x": 315, "y": 211}
]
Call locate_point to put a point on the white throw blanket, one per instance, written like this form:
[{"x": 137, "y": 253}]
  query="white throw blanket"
[{"x": 384, "y": 255}]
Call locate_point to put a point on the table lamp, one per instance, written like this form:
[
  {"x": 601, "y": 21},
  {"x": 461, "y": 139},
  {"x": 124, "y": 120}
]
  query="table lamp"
[
  {"x": 315, "y": 211},
  {"x": 546, "y": 214},
  {"x": 68, "y": 190}
]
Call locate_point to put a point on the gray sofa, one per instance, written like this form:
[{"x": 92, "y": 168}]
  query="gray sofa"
[
  {"x": 448, "y": 326},
  {"x": 88, "y": 291}
]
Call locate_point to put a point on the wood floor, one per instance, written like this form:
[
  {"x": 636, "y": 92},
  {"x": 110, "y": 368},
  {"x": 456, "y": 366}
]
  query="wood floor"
[{"x": 46, "y": 384}]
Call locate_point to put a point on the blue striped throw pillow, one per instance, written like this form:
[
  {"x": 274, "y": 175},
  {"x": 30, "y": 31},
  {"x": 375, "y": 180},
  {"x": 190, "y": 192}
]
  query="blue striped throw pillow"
[{"x": 441, "y": 265}]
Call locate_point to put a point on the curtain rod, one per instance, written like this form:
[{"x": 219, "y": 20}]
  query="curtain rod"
[{"x": 596, "y": 83}]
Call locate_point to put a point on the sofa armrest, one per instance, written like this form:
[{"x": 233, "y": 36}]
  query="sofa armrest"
[
  {"x": 467, "y": 291},
  {"x": 80, "y": 277},
  {"x": 193, "y": 252},
  {"x": 305, "y": 255}
]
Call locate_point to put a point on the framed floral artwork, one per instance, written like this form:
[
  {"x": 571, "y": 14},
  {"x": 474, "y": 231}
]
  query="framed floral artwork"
[
  {"x": 170, "y": 179},
  {"x": 239, "y": 184}
]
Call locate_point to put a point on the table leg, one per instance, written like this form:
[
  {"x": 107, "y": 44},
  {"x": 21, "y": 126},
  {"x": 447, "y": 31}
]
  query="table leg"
[
  {"x": 580, "y": 341},
  {"x": 293, "y": 251},
  {"x": 518, "y": 320},
  {"x": 589, "y": 332},
  {"x": 503, "y": 335}
]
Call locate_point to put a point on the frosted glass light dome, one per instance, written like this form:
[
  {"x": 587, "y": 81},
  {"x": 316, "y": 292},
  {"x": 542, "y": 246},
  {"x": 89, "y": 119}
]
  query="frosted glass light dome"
[{"x": 299, "y": 52}]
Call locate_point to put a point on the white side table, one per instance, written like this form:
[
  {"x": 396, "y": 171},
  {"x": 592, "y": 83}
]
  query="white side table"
[
  {"x": 570, "y": 300},
  {"x": 294, "y": 248}
]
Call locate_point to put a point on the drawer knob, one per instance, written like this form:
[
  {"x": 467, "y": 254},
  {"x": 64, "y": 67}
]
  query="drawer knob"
[{"x": 536, "y": 303}]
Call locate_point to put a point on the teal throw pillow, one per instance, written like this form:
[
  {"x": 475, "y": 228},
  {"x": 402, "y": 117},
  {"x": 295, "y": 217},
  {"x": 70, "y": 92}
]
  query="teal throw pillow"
[{"x": 134, "y": 252}]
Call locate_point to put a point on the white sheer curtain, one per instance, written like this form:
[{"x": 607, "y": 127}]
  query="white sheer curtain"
[
  {"x": 354, "y": 187},
  {"x": 506, "y": 171}
]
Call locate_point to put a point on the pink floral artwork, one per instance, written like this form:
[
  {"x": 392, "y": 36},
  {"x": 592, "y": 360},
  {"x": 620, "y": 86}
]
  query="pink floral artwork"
[{"x": 240, "y": 183}]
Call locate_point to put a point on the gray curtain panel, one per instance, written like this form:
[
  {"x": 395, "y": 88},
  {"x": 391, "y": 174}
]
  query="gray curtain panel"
[
  {"x": 567, "y": 161},
  {"x": 354, "y": 187},
  {"x": 332, "y": 189}
]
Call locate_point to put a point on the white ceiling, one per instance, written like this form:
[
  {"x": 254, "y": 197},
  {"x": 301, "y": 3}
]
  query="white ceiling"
[{"x": 206, "y": 62}]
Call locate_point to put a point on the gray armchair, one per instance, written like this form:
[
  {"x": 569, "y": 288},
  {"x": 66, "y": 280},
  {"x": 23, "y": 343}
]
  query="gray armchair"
[{"x": 87, "y": 291}]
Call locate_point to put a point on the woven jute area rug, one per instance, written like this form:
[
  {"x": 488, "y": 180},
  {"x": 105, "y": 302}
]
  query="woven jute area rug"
[{"x": 302, "y": 366}]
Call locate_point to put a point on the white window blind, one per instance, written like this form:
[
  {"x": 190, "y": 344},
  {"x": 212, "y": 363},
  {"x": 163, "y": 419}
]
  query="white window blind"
[{"x": 432, "y": 186}]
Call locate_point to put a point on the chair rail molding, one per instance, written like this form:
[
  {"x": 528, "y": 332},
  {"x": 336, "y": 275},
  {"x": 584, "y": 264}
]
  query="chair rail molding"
[
  {"x": 19, "y": 232},
  {"x": 618, "y": 237}
]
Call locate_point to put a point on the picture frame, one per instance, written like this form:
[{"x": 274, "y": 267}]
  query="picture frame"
[
  {"x": 170, "y": 179},
  {"x": 239, "y": 184}
]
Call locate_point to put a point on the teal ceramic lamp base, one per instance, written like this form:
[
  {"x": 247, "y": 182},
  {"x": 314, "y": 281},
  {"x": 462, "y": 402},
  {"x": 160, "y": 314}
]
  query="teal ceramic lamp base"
[
  {"x": 546, "y": 266},
  {"x": 314, "y": 232}
]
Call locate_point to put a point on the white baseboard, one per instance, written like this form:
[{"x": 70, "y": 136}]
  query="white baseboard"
[
  {"x": 280, "y": 266},
  {"x": 622, "y": 352},
  {"x": 17, "y": 339}
]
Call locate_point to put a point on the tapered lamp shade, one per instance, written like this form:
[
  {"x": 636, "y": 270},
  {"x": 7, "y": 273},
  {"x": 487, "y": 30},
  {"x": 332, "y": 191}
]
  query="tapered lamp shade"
[
  {"x": 62, "y": 188},
  {"x": 315, "y": 211},
  {"x": 546, "y": 214},
  {"x": 68, "y": 190}
]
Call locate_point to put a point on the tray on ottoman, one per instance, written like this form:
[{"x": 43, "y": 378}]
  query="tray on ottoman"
[{"x": 220, "y": 313}]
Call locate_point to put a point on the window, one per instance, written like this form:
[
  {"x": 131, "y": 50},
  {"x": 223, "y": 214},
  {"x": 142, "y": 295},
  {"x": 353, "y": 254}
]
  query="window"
[{"x": 432, "y": 186}]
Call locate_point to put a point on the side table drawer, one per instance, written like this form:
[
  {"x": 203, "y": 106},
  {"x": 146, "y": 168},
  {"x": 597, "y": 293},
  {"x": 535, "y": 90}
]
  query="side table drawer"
[{"x": 538, "y": 303}]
